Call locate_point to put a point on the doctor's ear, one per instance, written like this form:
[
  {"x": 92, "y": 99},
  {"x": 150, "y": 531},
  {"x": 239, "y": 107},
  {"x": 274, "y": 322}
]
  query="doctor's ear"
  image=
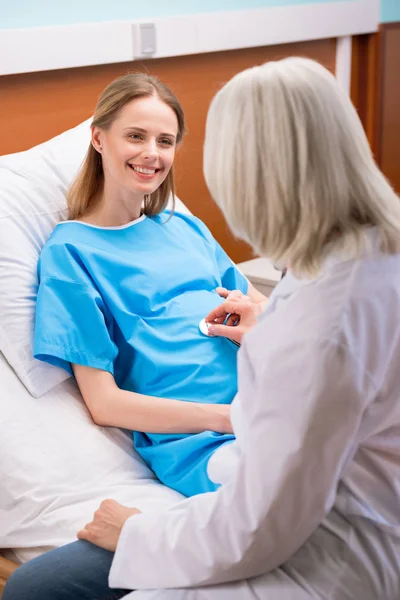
[{"x": 97, "y": 138}]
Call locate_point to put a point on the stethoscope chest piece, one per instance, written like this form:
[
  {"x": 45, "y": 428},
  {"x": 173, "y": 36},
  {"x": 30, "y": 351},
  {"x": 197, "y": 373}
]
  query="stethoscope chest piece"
[{"x": 203, "y": 326}]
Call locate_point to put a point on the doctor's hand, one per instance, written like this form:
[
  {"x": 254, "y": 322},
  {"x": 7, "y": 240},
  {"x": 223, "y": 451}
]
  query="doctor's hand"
[
  {"x": 108, "y": 520},
  {"x": 233, "y": 318},
  {"x": 234, "y": 295},
  {"x": 253, "y": 295}
]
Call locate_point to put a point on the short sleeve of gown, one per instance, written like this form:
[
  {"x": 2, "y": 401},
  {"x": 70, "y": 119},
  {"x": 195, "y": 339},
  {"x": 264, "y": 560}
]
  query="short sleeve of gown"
[{"x": 72, "y": 324}]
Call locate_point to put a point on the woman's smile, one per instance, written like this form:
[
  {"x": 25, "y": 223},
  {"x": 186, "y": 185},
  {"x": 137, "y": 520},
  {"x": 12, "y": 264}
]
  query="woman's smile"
[{"x": 145, "y": 173}]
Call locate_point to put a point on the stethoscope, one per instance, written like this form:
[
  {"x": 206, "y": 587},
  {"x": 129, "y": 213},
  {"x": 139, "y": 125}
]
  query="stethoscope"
[{"x": 203, "y": 326}]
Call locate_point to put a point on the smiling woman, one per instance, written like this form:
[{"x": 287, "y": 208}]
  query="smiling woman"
[
  {"x": 138, "y": 151},
  {"x": 119, "y": 303},
  {"x": 136, "y": 127}
]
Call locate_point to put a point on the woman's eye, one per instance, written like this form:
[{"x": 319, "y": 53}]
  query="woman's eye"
[
  {"x": 166, "y": 142},
  {"x": 135, "y": 136}
]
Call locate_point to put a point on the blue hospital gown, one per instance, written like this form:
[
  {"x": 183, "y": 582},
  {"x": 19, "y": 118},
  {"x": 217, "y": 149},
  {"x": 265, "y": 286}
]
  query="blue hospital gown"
[{"x": 128, "y": 300}]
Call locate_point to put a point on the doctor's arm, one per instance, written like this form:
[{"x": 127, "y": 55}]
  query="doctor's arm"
[
  {"x": 298, "y": 422},
  {"x": 113, "y": 407}
]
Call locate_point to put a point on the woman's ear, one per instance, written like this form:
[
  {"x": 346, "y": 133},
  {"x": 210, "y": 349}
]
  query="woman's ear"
[{"x": 97, "y": 138}]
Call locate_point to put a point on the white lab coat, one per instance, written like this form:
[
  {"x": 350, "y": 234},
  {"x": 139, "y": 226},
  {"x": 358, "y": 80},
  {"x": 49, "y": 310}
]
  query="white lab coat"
[{"x": 313, "y": 509}]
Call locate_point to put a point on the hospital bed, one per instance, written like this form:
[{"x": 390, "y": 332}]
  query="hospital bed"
[{"x": 55, "y": 464}]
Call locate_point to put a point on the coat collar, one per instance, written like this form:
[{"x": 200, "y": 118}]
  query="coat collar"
[{"x": 291, "y": 284}]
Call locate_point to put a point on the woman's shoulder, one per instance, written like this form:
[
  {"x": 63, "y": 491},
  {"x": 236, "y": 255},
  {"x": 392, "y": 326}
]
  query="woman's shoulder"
[
  {"x": 60, "y": 241},
  {"x": 68, "y": 236},
  {"x": 63, "y": 255},
  {"x": 185, "y": 222}
]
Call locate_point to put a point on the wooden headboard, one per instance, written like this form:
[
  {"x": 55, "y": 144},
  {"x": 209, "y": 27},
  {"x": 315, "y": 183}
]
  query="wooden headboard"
[
  {"x": 6, "y": 568},
  {"x": 37, "y": 106}
]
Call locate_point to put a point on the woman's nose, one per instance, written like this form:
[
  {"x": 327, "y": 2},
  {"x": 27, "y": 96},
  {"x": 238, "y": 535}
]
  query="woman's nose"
[{"x": 150, "y": 150}]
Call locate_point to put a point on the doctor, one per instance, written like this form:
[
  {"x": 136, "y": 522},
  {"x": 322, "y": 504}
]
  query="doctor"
[{"x": 313, "y": 508}]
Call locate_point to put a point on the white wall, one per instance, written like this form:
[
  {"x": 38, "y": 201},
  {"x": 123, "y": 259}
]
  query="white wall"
[{"x": 81, "y": 44}]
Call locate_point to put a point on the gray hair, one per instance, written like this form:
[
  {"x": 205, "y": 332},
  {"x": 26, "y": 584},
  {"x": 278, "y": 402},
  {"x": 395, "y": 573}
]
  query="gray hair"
[{"x": 287, "y": 160}]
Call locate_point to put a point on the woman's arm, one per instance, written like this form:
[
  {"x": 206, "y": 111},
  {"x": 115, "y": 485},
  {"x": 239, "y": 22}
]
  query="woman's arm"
[{"x": 113, "y": 407}]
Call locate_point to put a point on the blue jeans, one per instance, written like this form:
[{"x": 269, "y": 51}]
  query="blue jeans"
[{"x": 77, "y": 571}]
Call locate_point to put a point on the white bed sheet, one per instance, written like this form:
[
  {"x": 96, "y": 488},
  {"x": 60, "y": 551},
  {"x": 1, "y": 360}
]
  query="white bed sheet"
[{"x": 57, "y": 466}]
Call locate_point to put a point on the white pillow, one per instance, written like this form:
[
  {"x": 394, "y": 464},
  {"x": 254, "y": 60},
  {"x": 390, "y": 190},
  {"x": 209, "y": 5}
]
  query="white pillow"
[
  {"x": 33, "y": 187},
  {"x": 57, "y": 466}
]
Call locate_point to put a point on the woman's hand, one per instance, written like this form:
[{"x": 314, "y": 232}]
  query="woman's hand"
[
  {"x": 239, "y": 315},
  {"x": 108, "y": 520}
]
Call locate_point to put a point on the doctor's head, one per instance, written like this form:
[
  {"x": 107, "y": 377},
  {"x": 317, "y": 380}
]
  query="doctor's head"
[
  {"x": 137, "y": 125},
  {"x": 296, "y": 171}
]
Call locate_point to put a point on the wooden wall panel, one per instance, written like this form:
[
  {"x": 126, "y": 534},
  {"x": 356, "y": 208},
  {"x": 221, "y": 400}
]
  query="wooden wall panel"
[
  {"x": 36, "y": 106},
  {"x": 375, "y": 92},
  {"x": 389, "y": 115},
  {"x": 365, "y": 84}
]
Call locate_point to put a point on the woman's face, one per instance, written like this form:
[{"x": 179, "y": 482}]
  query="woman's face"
[{"x": 138, "y": 149}]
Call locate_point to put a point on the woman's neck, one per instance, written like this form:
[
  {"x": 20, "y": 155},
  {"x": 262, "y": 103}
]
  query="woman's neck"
[{"x": 110, "y": 212}]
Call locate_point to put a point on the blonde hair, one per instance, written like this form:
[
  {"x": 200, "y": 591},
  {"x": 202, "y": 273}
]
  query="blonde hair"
[
  {"x": 288, "y": 161},
  {"x": 87, "y": 187}
]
